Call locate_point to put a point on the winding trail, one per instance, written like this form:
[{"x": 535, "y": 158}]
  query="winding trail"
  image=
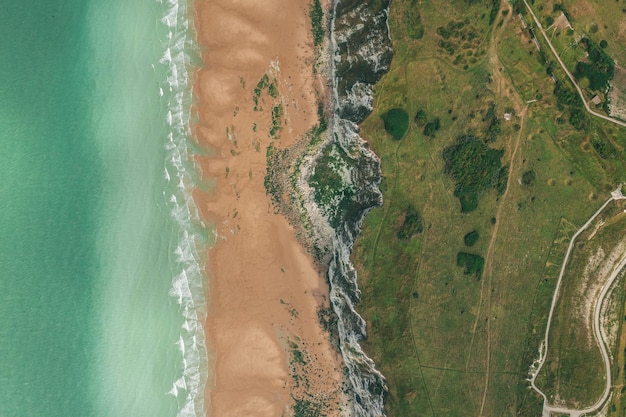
[
  {"x": 569, "y": 74},
  {"x": 543, "y": 350}
]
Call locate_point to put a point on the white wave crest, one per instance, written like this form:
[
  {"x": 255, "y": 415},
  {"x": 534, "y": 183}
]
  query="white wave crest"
[{"x": 179, "y": 170}]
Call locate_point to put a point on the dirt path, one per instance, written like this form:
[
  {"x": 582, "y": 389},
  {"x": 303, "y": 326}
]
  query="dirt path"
[
  {"x": 569, "y": 74},
  {"x": 489, "y": 256},
  {"x": 500, "y": 88},
  {"x": 547, "y": 408}
]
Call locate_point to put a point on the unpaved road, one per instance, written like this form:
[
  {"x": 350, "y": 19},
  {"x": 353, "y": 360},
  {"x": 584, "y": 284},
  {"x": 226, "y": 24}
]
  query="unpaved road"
[{"x": 547, "y": 408}]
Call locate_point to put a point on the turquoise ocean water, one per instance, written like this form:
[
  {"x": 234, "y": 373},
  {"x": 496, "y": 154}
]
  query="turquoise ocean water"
[{"x": 101, "y": 249}]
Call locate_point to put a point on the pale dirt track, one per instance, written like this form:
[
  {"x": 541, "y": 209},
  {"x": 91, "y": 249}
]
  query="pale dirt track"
[{"x": 547, "y": 408}]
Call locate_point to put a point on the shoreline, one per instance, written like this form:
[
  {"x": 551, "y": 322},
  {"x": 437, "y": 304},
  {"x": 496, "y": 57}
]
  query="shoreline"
[{"x": 264, "y": 338}]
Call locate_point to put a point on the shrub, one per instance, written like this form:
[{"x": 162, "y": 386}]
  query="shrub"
[
  {"x": 475, "y": 168},
  {"x": 316, "y": 13},
  {"x": 529, "y": 177},
  {"x": 471, "y": 238},
  {"x": 420, "y": 118},
  {"x": 413, "y": 224},
  {"x": 599, "y": 70},
  {"x": 414, "y": 26},
  {"x": 432, "y": 127},
  {"x": 472, "y": 264},
  {"x": 396, "y": 122}
]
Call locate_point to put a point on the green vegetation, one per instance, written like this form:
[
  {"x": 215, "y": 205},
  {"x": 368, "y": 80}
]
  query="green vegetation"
[
  {"x": 568, "y": 99},
  {"x": 475, "y": 168},
  {"x": 263, "y": 83},
  {"x": 493, "y": 13},
  {"x": 396, "y": 122},
  {"x": 493, "y": 124},
  {"x": 412, "y": 224},
  {"x": 574, "y": 370},
  {"x": 296, "y": 353},
  {"x": 447, "y": 344},
  {"x": 461, "y": 36},
  {"x": 558, "y": 7},
  {"x": 420, "y": 118},
  {"x": 472, "y": 264},
  {"x": 529, "y": 177},
  {"x": 471, "y": 238},
  {"x": 413, "y": 19},
  {"x": 316, "y": 13},
  {"x": 333, "y": 191},
  {"x": 308, "y": 408},
  {"x": 432, "y": 127},
  {"x": 599, "y": 71},
  {"x": 277, "y": 115}
]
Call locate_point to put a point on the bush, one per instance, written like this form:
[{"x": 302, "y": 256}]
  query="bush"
[
  {"x": 473, "y": 264},
  {"x": 475, "y": 168},
  {"x": 493, "y": 13},
  {"x": 420, "y": 118},
  {"x": 414, "y": 26},
  {"x": 599, "y": 70},
  {"x": 471, "y": 238},
  {"x": 529, "y": 177},
  {"x": 604, "y": 148},
  {"x": 566, "y": 97},
  {"x": 396, "y": 122},
  {"x": 413, "y": 224},
  {"x": 316, "y": 13},
  {"x": 432, "y": 127}
]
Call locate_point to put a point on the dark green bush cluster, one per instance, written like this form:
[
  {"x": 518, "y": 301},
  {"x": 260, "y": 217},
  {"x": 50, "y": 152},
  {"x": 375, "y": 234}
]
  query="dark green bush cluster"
[
  {"x": 413, "y": 20},
  {"x": 330, "y": 192},
  {"x": 396, "y": 122},
  {"x": 529, "y": 177},
  {"x": 472, "y": 264},
  {"x": 475, "y": 168},
  {"x": 263, "y": 83},
  {"x": 316, "y": 13},
  {"x": 432, "y": 127},
  {"x": 413, "y": 224},
  {"x": 307, "y": 408},
  {"x": 420, "y": 118},
  {"x": 599, "y": 70},
  {"x": 277, "y": 114},
  {"x": 568, "y": 99},
  {"x": 471, "y": 238},
  {"x": 493, "y": 13},
  {"x": 326, "y": 181},
  {"x": 493, "y": 124},
  {"x": 458, "y": 34},
  {"x": 604, "y": 147}
]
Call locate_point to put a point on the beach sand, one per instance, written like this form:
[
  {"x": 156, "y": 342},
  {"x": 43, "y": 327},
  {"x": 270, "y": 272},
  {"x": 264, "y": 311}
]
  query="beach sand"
[{"x": 265, "y": 343}]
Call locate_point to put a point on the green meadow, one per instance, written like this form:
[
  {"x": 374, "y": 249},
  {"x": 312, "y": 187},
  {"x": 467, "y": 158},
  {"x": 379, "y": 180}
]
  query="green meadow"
[{"x": 481, "y": 191}]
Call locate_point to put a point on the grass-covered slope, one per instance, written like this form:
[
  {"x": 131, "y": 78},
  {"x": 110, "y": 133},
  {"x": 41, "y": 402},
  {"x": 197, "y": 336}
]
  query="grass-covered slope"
[{"x": 448, "y": 343}]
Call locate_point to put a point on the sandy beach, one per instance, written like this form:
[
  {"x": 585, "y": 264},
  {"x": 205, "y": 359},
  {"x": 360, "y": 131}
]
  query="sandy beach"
[{"x": 266, "y": 346}]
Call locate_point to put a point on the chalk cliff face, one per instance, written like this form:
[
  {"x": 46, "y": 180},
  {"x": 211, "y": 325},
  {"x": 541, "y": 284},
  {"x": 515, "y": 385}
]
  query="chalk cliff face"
[
  {"x": 361, "y": 48},
  {"x": 327, "y": 182},
  {"x": 362, "y": 53}
]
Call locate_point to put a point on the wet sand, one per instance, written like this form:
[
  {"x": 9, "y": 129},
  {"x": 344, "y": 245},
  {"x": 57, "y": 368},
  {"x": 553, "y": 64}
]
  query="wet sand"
[{"x": 265, "y": 342}]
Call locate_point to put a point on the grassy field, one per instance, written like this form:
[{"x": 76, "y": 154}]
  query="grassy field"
[
  {"x": 574, "y": 370},
  {"x": 451, "y": 343},
  {"x": 591, "y": 26}
]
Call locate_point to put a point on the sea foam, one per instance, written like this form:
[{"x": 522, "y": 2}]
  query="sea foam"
[{"x": 187, "y": 286}]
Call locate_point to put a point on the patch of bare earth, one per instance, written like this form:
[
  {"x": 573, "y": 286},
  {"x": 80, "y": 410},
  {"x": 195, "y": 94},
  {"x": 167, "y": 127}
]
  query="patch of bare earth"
[{"x": 617, "y": 94}]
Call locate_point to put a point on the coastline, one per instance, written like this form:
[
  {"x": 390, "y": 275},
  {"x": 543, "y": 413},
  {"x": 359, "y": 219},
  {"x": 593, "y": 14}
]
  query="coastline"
[{"x": 267, "y": 349}]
